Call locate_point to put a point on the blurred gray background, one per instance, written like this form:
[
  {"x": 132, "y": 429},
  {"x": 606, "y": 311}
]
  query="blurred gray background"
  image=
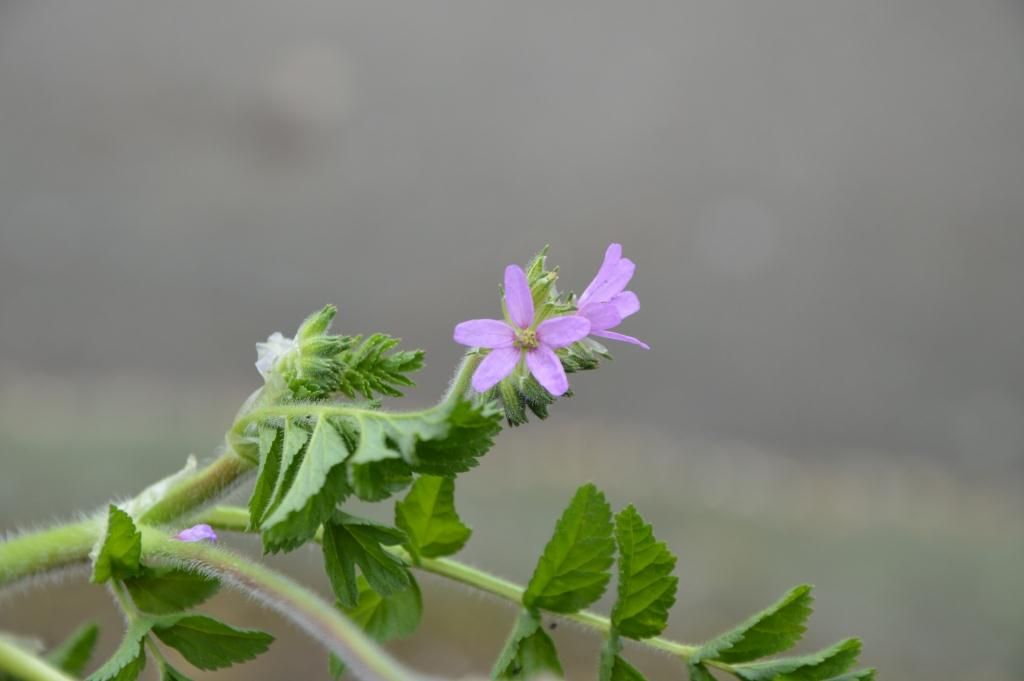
[{"x": 825, "y": 202}]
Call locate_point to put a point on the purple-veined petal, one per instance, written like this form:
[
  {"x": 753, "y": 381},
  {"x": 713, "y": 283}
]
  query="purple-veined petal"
[
  {"x": 558, "y": 332},
  {"x": 196, "y": 533},
  {"x": 602, "y": 316},
  {"x": 484, "y": 333},
  {"x": 621, "y": 337},
  {"x": 612, "y": 255},
  {"x": 626, "y": 303},
  {"x": 518, "y": 298},
  {"x": 498, "y": 364},
  {"x": 547, "y": 369}
]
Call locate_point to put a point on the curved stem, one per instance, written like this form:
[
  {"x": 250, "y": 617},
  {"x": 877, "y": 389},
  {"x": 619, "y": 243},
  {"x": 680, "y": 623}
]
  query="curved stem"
[
  {"x": 47, "y": 550},
  {"x": 22, "y": 664},
  {"x": 235, "y": 519},
  {"x": 294, "y": 601}
]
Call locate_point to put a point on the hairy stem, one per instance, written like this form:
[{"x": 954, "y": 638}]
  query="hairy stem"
[
  {"x": 235, "y": 519},
  {"x": 303, "y": 607},
  {"x": 22, "y": 664},
  {"x": 48, "y": 550}
]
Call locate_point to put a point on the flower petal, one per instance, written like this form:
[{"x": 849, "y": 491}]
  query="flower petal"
[
  {"x": 484, "y": 333},
  {"x": 558, "y": 332},
  {"x": 498, "y": 364},
  {"x": 547, "y": 369},
  {"x": 602, "y": 316},
  {"x": 617, "y": 280},
  {"x": 197, "y": 533},
  {"x": 612, "y": 255},
  {"x": 518, "y": 298},
  {"x": 626, "y": 303},
  {"x": 621, "y": 337}
]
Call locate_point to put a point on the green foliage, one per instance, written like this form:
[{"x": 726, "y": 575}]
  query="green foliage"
[
  {"x": 129, "y": 659},
  {"x": 528, "y": 652},
  {"x": 859, "y": 675},
  {"x": 647, "y": 588},
  {"x": 387, "y": 617},
  {"x": 165, "y": 590},
  {"x": 573, "y": 571},
  {"x": 773, "y": 630},
  {"x": 120, "y": 548},
  {"x": 169, "y": 673},
  {"x": 613, "y": 666},
  {"x": 698, "y": 672},
  {"x": 74, "y": 652},
  {"x": 350, "y": 541},
  {"x": 324, "y": 451},
  {"x": 351, "y": 448},
  {"x": 209, "y": 644},
  {"x": 349, "y": 365},
  {"x": 427, "y": 516},
  {"x": 267, "y": 475},
  {"x": 820, "y": 666}
]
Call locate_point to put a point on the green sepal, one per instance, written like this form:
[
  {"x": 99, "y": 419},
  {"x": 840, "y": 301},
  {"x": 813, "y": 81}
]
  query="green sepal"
[
  {"x": 74, "y": 652},
  {"x": 573, "y": 571},
  {"x": 350, "y": 541},
  {"x": 120, "y": 550},
  {"x": 528, "y": 652},
  {"x": 647, "y": 588},
  {"x": 165, "y": 590},
  {"x": 386, "y": 618},
  {"x": 773, "y": 630},
  {"x": 819, "y": 666},
  {"x": 427, "y": 516},
  {"x": 208, "y": 643},
  {"x": 129, "y": 659}
]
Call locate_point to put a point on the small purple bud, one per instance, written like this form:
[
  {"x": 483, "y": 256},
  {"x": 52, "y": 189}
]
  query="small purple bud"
[{"x": 197, "y": 533}]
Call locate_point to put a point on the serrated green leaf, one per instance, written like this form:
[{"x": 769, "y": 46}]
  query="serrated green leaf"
[
  {"x": 427, "y": 515},
  {"x": 699, "y": 672},
  {"x": 387, "y": 617},
  {"x": 647, "y": 588},
  {"x": 129, "y": 659},
  {"x": 819, "y": 666},
  {"x": 165, "y": 590},
  {"x": 350, "y": 541},
  {"x": 859, "y": 675},
  {"x": 529, "y": 652},
  {"x": 169, "y": 673},
  {"x": 470, "y": 434},
  {"x": 367, "y": 369},
  {"x": 267, "y": 474},
  {"x": 208, "y": 643},
  {"x": 773, "y": 630},
  {"x": 74, "y": 652},
  {"x": 325, "y": 450},
  {"x": 378, "y": 480},
  {"x": 120, "y": 550},
  {"x": 573, "y": 571},
  {"x": 301, "y": 526},
  {"x": 614, "y": 667},
  {"x": 336, "y": 668}
]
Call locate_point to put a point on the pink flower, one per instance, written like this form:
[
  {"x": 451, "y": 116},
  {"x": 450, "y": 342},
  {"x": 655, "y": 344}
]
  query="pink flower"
[
  {"x": 197, "y": 533},
  {"x": 510, "y": 340},
  {"x": 605, "y": 302}
]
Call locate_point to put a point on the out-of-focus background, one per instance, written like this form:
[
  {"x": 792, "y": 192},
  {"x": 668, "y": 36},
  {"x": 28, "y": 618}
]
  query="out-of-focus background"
[{"x": 825, "y": 202}]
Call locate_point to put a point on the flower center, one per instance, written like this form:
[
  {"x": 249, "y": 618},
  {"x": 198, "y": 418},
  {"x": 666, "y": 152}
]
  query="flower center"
[{"x": 526, "y": 339}]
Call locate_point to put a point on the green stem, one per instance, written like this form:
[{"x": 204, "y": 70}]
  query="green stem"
[
  {"x": 204, "y": 486},
  {"x": 22, "y": 664},
  {"x": 47, "y": 550},
  {"x": 235, "y": 519},
  {"x": 294, "y": 601}
]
